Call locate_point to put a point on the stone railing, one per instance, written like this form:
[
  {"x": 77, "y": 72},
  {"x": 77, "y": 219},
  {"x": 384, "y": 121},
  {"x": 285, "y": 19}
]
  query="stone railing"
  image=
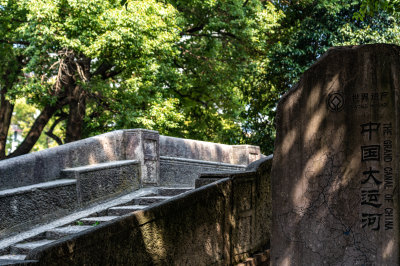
[
  {"x": 220, "y": 223},
  {"x": 146, "y": 146}
]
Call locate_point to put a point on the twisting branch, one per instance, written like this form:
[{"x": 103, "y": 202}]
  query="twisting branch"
[{"x": 50, "y": 133}]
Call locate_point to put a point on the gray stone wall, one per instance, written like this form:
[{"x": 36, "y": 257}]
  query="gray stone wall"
[
  {"x": 218, "y": 224},
  {"x": 183, "y": 172},
  {"x": 335, "y": 174},
  {"x": 46, "y": 165},
  {"x": 133, "y": 144},
  {"x": 208, "y": 151},
  {"x": 21, "y": 208},
  {"x": 105, "y": 180}
]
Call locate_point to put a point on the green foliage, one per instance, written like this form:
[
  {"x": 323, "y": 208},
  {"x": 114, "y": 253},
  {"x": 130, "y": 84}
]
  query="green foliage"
[
  {"x": 372, "y": 7},
  {"x": 306, "y": 31},
  {"x": 23, "y": 118},
  {"x": 210, "y": 70}
]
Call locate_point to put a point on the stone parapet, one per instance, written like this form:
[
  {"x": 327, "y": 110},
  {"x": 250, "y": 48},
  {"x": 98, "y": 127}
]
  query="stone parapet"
[
  {"x": 218, "y": 224},
  {"x": 183, "y": 172},
  {"x": 208, "y": 151},
  {"x": 146, "y": 146},
  {"x": 105, "y": 180},
  {"x": 46, "y": 165}
]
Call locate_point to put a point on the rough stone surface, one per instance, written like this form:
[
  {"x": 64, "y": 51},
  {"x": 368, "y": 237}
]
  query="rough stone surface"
[
  {"x": 57, "y": 233},
  {"x": 133, "y": 144},
  {"x": 207, "y": 226},
  {"x": 151, "y": 200},
  {"x": 17, "y": 262},
  {"x": 183, "y": 172},
  {"x": 122, "y": 210},
  {"x": 207, "y": 151},
  {"x": 46, "y": 165},
  {"x": 98, "y": 208},
  {"x": 97, "y": 220},
  {"x": 24, "y": 248},
  {"x": 143, "y": 145},
  {"x": 335, "y": 168},
  {"x": 24, "y": 206},
  {"x": 105, "y": 180},
  {"x": 172, "y": 191}
]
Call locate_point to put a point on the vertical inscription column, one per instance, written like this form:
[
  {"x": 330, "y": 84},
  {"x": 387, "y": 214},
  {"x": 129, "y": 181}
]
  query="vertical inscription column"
[
  {"x": 143, "y": 145},
  {"x": 375, "y": 109}
]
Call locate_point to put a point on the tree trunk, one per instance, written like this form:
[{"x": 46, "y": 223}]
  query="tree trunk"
[
  {"x": 77, "y": 111},
  {"x": 37, "y": 128},
  {"x": 6, "y": 110},
  {"x": 77, "y": 104}
]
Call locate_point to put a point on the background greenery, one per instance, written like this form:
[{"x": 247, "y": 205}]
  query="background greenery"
[{"x": 205, "y": 69}]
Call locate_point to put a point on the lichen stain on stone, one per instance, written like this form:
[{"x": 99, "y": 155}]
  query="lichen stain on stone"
[
  {"x": 71, "y": 246},
  {"x": 153, "y": 239}
]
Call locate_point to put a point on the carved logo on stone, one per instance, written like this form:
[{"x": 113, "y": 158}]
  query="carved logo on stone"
[{"x": 335, "y": 102}]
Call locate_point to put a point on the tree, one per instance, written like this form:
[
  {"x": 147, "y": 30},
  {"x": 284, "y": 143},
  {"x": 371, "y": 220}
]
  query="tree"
[
  {"x": 373, "y": 7},
  {"x": 103, "y": 65},
  {"x": 78, "y": 51},
  {"x": 306, "y": 31}
]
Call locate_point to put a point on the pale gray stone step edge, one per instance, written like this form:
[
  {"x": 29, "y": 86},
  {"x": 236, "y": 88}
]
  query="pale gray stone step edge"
[
  {"x": 100, "y": 166},
  {"x": 24, "y": 248},
  {"x": 44, "y": 185}
]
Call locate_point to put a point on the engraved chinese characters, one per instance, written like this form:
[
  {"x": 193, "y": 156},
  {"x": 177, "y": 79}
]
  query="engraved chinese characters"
[
  {"x": 377, "y": 188},
  {"x": 335, "y": 171}
]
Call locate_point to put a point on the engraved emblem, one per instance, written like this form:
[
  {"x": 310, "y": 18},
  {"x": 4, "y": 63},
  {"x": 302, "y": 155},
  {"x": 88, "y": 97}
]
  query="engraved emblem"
[{"x": 335, "y": 102}]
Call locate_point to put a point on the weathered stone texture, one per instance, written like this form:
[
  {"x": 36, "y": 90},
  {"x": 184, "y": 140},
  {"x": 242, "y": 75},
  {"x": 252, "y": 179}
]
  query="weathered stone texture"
[
  {"x": 23, "y": 206},
  {"x": 207, "y": 226},
  {"x": 335, "y": 168},
  {"x": 207, "y": 151},
  {"x": 143, "y": 145},
  {"x": 46, "y": 165},
  {"x": 183, "y": 172},
  {"x": 105, "y": 180}
]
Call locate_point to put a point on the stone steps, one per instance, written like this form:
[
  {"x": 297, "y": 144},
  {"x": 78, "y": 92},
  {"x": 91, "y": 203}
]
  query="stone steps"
[
  {"x": 28, "y": 205},
  {"x": 172, "y": 191},
  {"x": 15, "y": 253},
  {"x": 4, "y": 262},
  {"x": 24, "y": 248},
  {"x": 150, "y": 200},
  {"x": 96, "y": 220},
  {"x": 60, "y": 232},
  {"x": 122, "y": 210}
]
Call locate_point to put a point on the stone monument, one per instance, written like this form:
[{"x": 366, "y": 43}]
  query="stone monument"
[{"x": 335, "y": 170}]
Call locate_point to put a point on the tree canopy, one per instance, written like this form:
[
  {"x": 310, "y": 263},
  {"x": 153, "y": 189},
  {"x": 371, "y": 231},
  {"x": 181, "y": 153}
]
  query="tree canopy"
[{"x": 210, "y": 70}]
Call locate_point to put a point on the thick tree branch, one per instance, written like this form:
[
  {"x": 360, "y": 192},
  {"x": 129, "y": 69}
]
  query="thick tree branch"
[
  {"x": 63, "y": 116},
  {"x": 37, "y": 128}
]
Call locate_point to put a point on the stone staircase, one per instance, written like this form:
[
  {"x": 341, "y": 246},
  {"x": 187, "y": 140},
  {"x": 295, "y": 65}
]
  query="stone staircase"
[
  {"x": 64, "y": 192},
  {"x": 13, "y": 250}
]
